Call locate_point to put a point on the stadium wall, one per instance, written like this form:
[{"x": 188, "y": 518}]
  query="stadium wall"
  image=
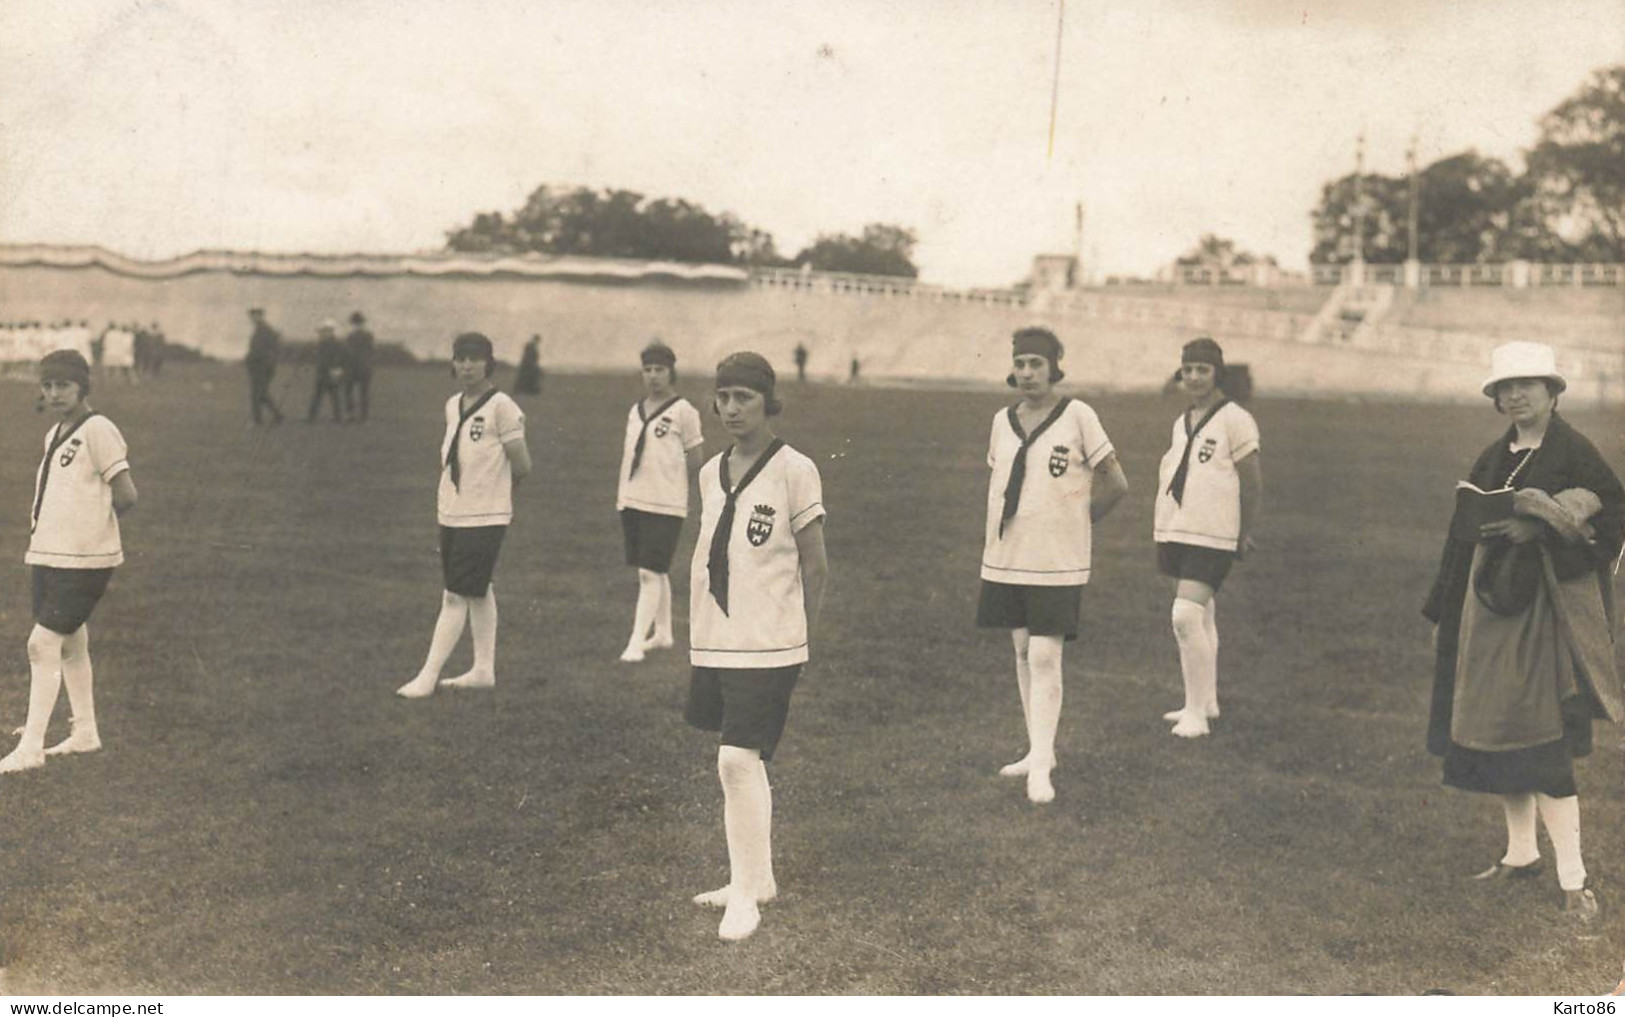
[{"x": 596, "y": 322}]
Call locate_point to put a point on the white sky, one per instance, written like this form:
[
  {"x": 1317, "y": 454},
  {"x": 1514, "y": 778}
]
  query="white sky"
[{"x": 156, "y": 127}]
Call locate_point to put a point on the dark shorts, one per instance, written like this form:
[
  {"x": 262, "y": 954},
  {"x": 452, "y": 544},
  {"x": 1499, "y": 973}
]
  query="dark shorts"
[
  {"x": 747, "y": 705},
  {"x": 468, "y": 556},
  {"x": 64, "y": 598},
  {"x": 651, "y": 540},
  {"x": 1041, "y": 610},
  {"x": 1187, "y": 561}
]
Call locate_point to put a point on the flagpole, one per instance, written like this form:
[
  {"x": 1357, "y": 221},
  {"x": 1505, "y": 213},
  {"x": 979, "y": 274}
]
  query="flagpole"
[{"x": 1055, "y": 86}]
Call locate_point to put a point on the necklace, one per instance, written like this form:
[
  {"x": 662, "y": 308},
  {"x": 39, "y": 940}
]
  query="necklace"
[{"x": 1519, "y": 468}]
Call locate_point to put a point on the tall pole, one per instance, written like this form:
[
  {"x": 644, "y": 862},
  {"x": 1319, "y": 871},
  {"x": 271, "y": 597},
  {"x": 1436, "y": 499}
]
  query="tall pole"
[
  {"x": 1055, "y": 85},
  {"x": 1359, "y": 197},
  {"x": 1416, "y": 189}
]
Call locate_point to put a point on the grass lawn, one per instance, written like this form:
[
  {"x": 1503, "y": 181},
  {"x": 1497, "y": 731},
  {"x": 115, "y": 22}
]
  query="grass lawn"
[{"x": 268, "y": 818}]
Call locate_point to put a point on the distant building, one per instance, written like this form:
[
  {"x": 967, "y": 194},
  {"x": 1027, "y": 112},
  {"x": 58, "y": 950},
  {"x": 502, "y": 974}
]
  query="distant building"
[{"x": 1054, "y": 273}]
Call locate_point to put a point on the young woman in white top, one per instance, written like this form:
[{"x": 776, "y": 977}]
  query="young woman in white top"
[
  {"x": 1055, "y": 474},
  {"x": 482, "y": 458},
  {"x": 757, "y": 581},
  {"x": 662, "y": 449},
  {"x": 83, "y": 485},
  {"x": 1210, "y": 490}
]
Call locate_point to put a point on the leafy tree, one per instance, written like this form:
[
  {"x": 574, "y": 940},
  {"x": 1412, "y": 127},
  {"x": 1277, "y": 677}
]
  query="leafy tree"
[
  {"x": 1467, "y": 208},
  {"x": 1569, "y": 204},
  {"x": 882, "y": 249},
  {"x": 1213, "y": 251},
  {"x": 1376, "y": 204},
  {"x": 615, "y": 224},
  {"x": 488, "y": 233},
  {"x": 1577, "y": 168}
]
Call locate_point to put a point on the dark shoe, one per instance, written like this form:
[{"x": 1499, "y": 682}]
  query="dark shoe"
[{"x": 1501, "y": 870}]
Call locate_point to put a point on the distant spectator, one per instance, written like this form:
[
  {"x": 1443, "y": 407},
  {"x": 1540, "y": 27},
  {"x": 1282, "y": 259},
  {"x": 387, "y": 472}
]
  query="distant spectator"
[
  {"x": 852, "y": 378},
  {"x": 118, "y": 353},
  {"x": 330, "y": 374},
  {"x": 358, "y": 380},
  {"x": 160, "y": 346},
  {"x": 529, "y": 381},
  {"x": 801, "y": 362},
  {"x": 142, "y": 351},
  {"x": 264, "y": 349}
]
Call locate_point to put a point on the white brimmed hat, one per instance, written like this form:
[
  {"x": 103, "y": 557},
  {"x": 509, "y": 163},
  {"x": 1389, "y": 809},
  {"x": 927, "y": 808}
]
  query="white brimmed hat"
[{"x": 1522, "y": 360}]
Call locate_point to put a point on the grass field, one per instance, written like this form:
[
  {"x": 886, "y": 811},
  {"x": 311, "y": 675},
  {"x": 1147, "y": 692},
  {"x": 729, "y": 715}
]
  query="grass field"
[{"x": 268, "y": 818}]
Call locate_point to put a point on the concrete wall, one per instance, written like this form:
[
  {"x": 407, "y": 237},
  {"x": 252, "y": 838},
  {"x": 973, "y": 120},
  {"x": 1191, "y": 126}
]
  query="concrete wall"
[{"x": 1114, "y": 345}]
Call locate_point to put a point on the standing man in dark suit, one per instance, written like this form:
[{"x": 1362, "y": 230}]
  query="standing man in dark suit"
[
  {"x": 330, "y": 374},
  {"x": 264, "y": 348},
  {"x": 358, "y": 383}
]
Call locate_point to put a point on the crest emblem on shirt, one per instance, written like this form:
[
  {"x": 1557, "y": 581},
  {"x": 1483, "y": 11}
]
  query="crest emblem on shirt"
[
  {"x": 69, "y": 452},
  {"x": 663, "y": 428},
  {"x": 1205, "y": 453},
  {"x": 760, "y": 526},
  {"x": 476, "y": 430},
  {"x": 1059, "y": 458}
]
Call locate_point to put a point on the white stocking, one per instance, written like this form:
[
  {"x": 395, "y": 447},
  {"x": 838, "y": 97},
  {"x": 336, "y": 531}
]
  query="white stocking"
[
  {"x": 1196, "y": 664},
  {"x": 448, "y": 628},
  {"x": 45, "y": 670},
  {"x": 1562, "y": 819},
  {"x": 482, "y": 623},
  {"x": 1044, "y": 708},
  {"x": 648, "y": 608},
  {"x": 1521, "y": 846},
  {"x": 77, "y": 676}
]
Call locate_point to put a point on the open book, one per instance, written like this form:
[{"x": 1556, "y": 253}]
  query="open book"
[{"x": 1475, "y": 507}]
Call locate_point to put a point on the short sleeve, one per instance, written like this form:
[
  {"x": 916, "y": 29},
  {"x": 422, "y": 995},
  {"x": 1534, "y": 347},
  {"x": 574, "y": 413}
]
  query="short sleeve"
[
  {"x": 806, "y": 494},
  {"x": 1095, "y": 444},
  {"x": 689, "y": 427},
  {"x": 992, "y": 441},
  {"x": 1242, "y": 430},
  {"x": 108, "y": 452},
  {"x": 510, "y": 420}
]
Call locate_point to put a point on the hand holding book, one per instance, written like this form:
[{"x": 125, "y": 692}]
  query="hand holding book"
[{"x": 1477, "y": 508}]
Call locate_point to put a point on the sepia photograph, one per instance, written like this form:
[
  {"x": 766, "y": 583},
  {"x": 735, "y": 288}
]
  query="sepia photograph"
[{"x": 617, "y": 498}]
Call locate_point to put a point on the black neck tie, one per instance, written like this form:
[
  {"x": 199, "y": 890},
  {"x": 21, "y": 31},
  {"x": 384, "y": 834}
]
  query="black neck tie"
[
  {"x": 637, "y": 450},
  {"x": 452, "y": 462},
  {"x": 1018, "y": 465},
  {"x": 1177, "y": 486},
  {"x": 717, "y": 562},
  {"x": 45, "y": 467}
]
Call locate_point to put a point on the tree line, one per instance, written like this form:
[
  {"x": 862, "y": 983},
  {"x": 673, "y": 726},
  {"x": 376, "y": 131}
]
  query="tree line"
[
  {"x": 1568, "y": 204},
  {"x": 613, "y": 223}
]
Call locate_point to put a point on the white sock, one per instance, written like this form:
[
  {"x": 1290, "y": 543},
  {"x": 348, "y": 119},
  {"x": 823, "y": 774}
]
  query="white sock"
[
  {"x": 1521, "y": 846},
  {"x": 1562, "y": 819},
  {"x": 482, "y": 622},
  {"x": 1044, "y": 708},
  {"x": 643, "y": 617},
  {"x": 77, "y": 677},
  {"x": 663, "y": 611},
  {"x": 1024, "y": 680},
  {"x": 1210, "y": 623},
  {"x": 1195, "y": 660},
  {"x": 747, "y": 813},
  {"x": 45, "y": 670},
  {"x": 448, "y": 628}
]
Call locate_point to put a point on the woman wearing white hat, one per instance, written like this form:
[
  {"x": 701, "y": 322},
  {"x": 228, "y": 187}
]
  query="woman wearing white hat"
[{"x": 1524, "y": 619}]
